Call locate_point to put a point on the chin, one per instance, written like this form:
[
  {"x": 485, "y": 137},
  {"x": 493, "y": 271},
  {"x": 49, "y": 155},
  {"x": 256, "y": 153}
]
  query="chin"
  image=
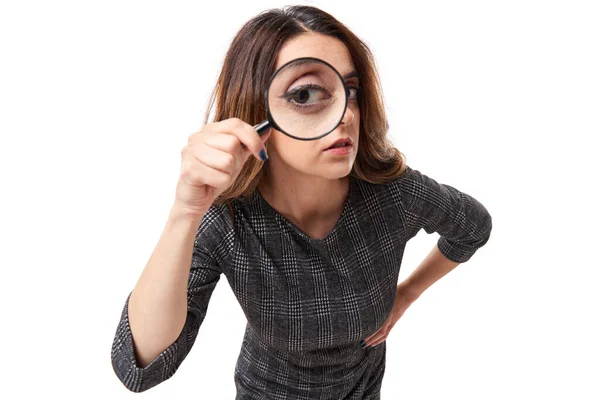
[{"x": 336, "y": 172}]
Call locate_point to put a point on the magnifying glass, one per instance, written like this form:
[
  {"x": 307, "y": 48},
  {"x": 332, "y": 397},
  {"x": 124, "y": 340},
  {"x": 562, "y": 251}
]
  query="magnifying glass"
[{"x": 306, "y": 99}]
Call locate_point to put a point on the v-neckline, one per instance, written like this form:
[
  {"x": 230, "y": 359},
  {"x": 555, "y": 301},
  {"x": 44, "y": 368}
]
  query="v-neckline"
[{"x": 299, "y": 231}]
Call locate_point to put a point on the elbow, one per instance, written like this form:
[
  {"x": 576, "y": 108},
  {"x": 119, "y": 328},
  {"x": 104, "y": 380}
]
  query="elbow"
[
  {"x": 487, "y": 229},
  {"x": 136, "y": 379},
  {"x": 461, "y": 250},
  {"x": 131, "y": 378},
  {"x": 124, "y": 375},
  {"x": 484, "y": 232}
]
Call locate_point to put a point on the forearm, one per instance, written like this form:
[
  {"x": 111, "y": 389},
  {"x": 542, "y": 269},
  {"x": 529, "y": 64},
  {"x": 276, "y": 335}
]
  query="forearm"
[
  {"x": 434, "y": 266},
  {"x": 158, "y": 303}
]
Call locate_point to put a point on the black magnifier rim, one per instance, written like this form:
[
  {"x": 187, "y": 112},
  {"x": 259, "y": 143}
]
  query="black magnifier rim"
[{"x": 270, "y": 117}]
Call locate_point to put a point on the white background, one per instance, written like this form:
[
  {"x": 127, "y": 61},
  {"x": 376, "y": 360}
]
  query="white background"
[{"x": 500, "y": 99}]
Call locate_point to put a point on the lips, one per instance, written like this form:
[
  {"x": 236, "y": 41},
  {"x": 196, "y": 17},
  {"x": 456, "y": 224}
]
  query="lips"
[{"x": 340, "y": 143}]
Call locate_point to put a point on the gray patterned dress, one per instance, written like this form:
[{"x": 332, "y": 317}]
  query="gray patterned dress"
[{"x": 309, "y": 302}]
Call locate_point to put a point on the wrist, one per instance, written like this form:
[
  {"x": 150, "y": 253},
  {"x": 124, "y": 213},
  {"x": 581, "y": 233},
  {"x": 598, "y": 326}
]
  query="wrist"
[{"x": 181, "y": 212}]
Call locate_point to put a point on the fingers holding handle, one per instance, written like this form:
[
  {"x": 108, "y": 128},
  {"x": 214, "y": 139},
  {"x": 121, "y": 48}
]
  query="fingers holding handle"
[{"x": 213, "y": 159}]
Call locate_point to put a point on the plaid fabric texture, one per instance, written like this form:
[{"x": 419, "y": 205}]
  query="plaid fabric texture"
[{"x": 308, "y": 302}]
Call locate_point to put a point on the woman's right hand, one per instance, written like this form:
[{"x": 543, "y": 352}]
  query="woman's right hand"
[{"x": 212, "y": 160}]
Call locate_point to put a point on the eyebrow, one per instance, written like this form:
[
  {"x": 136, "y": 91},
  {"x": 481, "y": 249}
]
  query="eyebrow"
[{"x": 351, "y": 74}]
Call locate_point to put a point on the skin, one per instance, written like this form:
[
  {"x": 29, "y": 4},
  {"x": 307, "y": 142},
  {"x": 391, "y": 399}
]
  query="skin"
[{"x": 301, "y": 182}]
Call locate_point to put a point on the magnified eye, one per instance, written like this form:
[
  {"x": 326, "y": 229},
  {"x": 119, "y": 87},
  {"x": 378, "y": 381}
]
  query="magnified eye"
[{"x": 307, "y": 95}]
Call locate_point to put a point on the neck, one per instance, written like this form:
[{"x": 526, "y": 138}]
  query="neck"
[{"x": 304, "y": 199}]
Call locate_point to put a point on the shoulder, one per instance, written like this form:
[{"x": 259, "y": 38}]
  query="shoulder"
[
  {"x": 404, "y": 180},
  {"x": 411, "y": 189},
  {"x": 399, "y": 189},
  {"x": 413, "y": 185}
]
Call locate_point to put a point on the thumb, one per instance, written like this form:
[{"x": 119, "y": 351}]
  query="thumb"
[{"x": 265, "y": 136}]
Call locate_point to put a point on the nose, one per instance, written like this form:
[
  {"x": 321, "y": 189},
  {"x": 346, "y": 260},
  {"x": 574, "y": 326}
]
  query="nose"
[{"x": 348, "y": 116}]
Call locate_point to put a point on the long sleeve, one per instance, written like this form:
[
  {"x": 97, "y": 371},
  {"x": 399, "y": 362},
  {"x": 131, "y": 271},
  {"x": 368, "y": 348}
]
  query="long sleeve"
[
  {"x": 463, "y": 223},
  {"x": 203, "y": 277}
]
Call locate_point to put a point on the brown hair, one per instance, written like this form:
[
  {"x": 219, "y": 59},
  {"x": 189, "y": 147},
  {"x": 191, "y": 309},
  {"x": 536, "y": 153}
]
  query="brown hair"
[{"x": 248, "y": 65}]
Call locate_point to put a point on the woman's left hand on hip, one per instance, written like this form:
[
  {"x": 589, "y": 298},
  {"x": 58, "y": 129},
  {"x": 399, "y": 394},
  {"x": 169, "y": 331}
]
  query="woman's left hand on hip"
[{"x": 404, "y": 299}]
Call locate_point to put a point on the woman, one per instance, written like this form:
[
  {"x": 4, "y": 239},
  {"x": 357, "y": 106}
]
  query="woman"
[{"x": 310, "y": 240}]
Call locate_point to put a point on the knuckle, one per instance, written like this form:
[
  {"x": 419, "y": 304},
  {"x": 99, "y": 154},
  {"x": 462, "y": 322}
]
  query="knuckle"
[
  {"x": 185, "y": 152},
  {"x": 185, "y": 171},
  {"x": 229, "y": 162},
  {"x": 223, "y": 180},
  {"x": 238, "y": 122},
  {"x": 233, "y": 143}
]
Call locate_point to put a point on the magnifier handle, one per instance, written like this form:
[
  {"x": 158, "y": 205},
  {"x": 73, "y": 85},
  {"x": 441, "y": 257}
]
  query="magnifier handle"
[{"x": 262, "y": 127}]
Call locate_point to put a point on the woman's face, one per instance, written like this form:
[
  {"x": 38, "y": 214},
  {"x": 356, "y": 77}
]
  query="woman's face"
[{"x": 309, "y": 157}]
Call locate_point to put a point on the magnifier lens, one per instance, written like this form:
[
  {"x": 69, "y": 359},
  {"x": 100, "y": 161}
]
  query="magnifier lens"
[{"x": 307, "y": 98}]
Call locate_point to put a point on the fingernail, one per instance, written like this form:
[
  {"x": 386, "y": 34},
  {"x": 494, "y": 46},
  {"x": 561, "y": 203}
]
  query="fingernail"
[
  {"x": 362, "y": 343},
  {"x": 263, "y": 155}
]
